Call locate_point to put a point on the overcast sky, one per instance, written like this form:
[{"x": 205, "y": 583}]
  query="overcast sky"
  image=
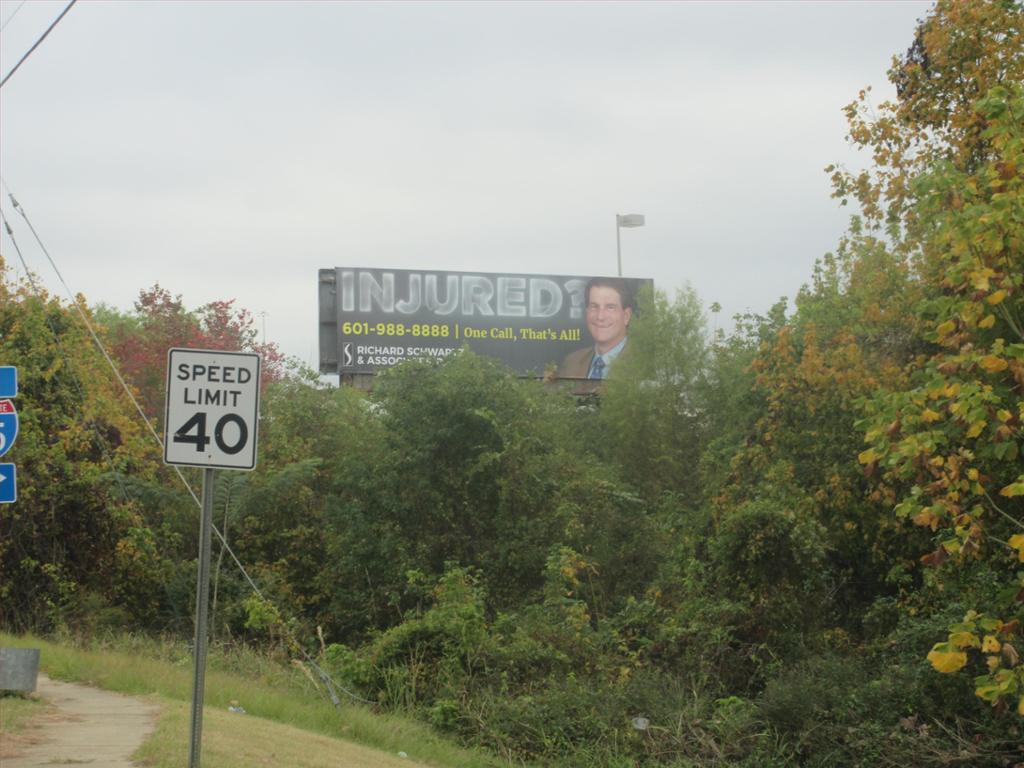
[{"x": 232, "y": 149}]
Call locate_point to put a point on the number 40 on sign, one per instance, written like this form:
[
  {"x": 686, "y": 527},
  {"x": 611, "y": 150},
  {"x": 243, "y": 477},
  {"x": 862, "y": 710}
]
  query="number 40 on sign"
[{"x": 212, "y": 411}]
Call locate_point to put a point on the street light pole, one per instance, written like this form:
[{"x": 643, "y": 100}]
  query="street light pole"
[
  {"x": 625, "y": 220},
  {"x": 618, "y": 241}
]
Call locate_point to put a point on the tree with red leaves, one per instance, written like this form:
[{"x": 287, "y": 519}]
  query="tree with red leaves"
[{"x": 139, "y": 340}]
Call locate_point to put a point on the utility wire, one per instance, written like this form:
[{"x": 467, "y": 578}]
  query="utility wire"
[
  {"x": 97, "y": 437},
  {"x": 37, "y": 43},
  {"x": 329, "y": 683},
  {"x": 85, "y": 321},
  {"x": 13, "y": 14}
]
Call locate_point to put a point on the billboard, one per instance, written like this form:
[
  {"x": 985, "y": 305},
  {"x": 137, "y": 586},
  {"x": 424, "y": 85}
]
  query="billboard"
[
  {"x": 371, "y": 319},
  {"x": 374, "y": 318}
]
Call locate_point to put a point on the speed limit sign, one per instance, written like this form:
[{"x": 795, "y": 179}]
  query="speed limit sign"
[{"x": 213, "y": 406}]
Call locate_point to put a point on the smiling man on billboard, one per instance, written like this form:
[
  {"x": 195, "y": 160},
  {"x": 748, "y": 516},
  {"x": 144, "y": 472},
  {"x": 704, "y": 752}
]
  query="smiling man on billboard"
[{"x": 609, "y": 308}]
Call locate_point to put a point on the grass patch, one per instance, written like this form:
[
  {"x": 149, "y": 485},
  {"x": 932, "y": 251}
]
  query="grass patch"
[
  {"x": 16, "y": 710},
  {"x": 267, "y": 691},
  {"x": 242, "y": 741}
]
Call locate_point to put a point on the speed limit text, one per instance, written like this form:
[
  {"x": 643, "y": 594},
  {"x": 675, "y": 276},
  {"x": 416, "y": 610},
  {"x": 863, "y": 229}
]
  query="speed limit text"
[{"x": 212, "y": 374}]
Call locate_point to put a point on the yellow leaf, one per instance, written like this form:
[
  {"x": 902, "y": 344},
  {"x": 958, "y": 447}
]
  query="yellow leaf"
[
  {"x": 1017, "y": 542},
  {"x": 1013, "y": 489},
  {"x": 946, "y": 328},
  {"x": 993, "y": 663},
  {"x": 972, "y": 473},
  {"x": 947, "y": 661},
  {"x": 975, "y": 430},
  {"x": 925, "y": 518},
  {"x": 996, "y": 297},
  {"x": 993, "y": 364},
  {"x": 953, "y": 390},
  {"x": 987, "y": 692},
  {"x": 991, "y": 644},
  {"x": 1003, "y": 414},
  {"x": 987, "y": 322},
  {"x": 929, "y": 415},
  {"x": 963, "y": 640},
  {"x": 866, "y": 457},
  {"x": 980, "y": 278}
]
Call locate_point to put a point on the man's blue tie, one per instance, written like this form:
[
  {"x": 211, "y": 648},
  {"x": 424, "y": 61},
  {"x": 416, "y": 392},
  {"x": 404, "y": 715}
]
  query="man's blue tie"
[{"x": 597, "y": 368}]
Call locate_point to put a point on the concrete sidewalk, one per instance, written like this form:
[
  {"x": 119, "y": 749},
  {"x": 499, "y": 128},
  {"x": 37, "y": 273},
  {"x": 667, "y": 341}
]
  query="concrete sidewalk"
[{"x": 84, "y": 726}]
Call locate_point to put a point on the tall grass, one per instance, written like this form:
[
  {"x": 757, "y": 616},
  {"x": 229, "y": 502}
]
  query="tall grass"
[{"x": 144, "y": 666}]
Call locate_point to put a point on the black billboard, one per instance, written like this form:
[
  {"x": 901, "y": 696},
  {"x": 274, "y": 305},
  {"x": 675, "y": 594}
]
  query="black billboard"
[{"x": 375, "y": 318}]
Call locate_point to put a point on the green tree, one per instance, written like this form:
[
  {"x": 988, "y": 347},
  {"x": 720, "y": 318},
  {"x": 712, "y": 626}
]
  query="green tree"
[
  {"x": 76, "y": 543},
  {"x": 651, "y": 422}
]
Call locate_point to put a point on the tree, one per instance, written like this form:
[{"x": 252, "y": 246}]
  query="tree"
[
  {"x": 949, "y": 442},
  {"x": 140, "y": 340},
  {"x": 651, "y": 421},
  {"x": 961, "y": 51},
  {"x": 945, "y": 445},
  {"x": 76, "y": 544}
]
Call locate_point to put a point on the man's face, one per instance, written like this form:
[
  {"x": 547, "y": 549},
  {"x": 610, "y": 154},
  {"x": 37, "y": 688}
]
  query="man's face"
[{"x": 606, "y": 318}]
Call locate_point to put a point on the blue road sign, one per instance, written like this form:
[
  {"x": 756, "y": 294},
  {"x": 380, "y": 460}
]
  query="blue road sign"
[
  {"x": 8, "y": 381},
  {"x": 8, "y": 426},
  {"x": 8, "y": 484}
]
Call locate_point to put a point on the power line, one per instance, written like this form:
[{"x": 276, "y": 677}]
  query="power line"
[
  {"x": 97, "y": 437},
  {"x": 85, "y": 320},
  {"x": 37, "y": 43}
]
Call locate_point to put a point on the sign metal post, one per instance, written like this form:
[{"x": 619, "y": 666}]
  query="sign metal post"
[{"x": 202, "y": 618}]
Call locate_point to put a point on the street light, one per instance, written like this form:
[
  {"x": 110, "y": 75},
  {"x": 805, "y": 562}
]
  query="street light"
[
  {"x": 625, "y": 220},
  {"x": 263, "y": 316}
]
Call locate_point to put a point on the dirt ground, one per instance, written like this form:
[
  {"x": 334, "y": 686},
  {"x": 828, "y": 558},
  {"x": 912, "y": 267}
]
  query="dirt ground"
[{"x": 82, "y": 726}]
